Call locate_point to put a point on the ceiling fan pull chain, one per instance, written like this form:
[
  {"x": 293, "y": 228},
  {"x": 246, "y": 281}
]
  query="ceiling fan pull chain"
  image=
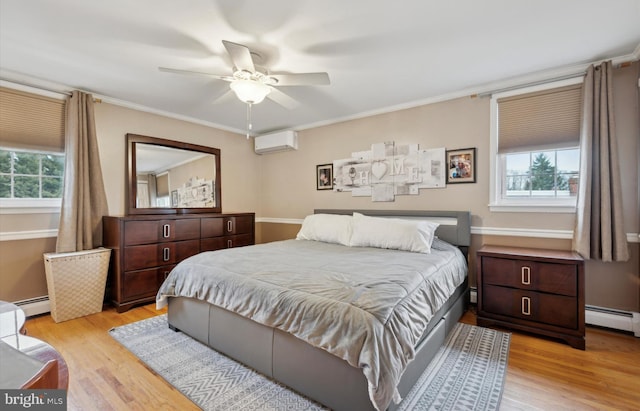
[{"x": 249, "y": 125}]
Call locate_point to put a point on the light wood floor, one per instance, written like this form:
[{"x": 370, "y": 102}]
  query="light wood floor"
[{"x": 542, "y": 374}]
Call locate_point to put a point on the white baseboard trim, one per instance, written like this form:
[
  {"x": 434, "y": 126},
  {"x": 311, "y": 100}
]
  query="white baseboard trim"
[
  {"x": 35, "y": 306},
  {"x": 615, "y": 319}
]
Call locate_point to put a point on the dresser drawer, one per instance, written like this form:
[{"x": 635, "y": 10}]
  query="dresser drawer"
[
  {"x": 212, "y": 227},
  {"x": 544, "y": 308},
  {"x": 239, "y": 225},
  {"x": 144, "y": 283},
  {"x": 218, "y": 243},
  {"x": 240, "y": 240},
  {"x": 140, "y": 284},
  {"x": 138, "y": 257},
  {"x": 531, "y": 275},
  {"x": 212, "y": 244},
  {"x": 220, "y": 226},
  {"x": 141, "y": 232},
  {"x": 153, "y": 231}
]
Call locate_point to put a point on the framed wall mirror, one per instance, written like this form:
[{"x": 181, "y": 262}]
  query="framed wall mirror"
[{"x": 171, "y": 177}]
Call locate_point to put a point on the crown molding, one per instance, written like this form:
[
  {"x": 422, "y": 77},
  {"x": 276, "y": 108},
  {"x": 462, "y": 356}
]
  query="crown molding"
[{"x": 22, "y": 82}]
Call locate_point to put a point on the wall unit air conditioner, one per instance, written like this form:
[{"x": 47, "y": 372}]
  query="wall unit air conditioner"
[{"x": 274, "y": 142}]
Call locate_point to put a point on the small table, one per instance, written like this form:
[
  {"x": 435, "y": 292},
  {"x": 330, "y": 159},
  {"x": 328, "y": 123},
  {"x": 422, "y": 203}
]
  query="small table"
[
  {"x": 12, "y": 332},
  {"x": 532, "y": 290},
  {"x": 42, "y": 351},
  {"x": 12, "y": 319}
]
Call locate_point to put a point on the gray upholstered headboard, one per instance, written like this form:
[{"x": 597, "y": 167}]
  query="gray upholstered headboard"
[{"x": 455, "y": 226}]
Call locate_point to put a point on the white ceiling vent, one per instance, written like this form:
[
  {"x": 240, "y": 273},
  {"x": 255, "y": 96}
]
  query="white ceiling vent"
[{"x": 274, "y": 142}]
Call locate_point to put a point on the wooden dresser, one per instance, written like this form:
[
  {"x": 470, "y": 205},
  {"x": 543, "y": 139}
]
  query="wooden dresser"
[
  {"x": 532, "y": 290},
  {"x": 147, "y": 247}
]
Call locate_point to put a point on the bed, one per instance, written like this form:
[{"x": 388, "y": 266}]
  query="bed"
[{"x": 351, "y": 325}]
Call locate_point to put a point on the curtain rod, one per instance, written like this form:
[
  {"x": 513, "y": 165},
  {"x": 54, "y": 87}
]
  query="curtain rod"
[
  {"x": 530, "y": 84},
  {"x": 37, "y": 87},
  {"x": 577, "y": 73},
  {"x": 46, "y": 89}
]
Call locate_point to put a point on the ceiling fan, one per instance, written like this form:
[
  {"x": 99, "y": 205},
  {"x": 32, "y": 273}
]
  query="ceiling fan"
[{"x": 252, "y": 83}]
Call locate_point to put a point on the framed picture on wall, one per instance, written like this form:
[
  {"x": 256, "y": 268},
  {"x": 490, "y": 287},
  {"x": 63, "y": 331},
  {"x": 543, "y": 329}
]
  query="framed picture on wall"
[
  {"x": 461, "y": 165},
  {"x": 324, "y": 177}
]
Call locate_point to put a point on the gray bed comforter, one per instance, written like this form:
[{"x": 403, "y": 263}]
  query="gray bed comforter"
[{"x": 367, "y": 306}]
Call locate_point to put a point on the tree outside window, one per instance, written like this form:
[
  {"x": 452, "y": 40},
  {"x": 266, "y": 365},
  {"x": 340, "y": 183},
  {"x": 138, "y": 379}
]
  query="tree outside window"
[
  {"x": 542, "y": 174},
  {"x": 30, "y": 174}
]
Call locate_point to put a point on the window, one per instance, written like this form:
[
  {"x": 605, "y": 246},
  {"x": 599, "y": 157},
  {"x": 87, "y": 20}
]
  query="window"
[
  {"x": 30, "y": 174},
  {"x": 541, "y": 174},
  {"x": 31, "y": 150},
  {"x": 535, "y": 138}
]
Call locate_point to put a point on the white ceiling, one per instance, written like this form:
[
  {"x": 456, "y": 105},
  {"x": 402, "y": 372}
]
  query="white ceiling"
[{"x": 380, "y": 54}]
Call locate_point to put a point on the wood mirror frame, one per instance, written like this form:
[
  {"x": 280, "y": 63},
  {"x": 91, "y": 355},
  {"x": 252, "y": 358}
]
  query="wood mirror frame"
[{"x": 199, "y": 189}]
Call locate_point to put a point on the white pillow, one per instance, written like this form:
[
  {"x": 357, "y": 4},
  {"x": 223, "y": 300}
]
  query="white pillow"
[
  {"x": 328, "y": 228},
  {"x": 393, "y": 233}
]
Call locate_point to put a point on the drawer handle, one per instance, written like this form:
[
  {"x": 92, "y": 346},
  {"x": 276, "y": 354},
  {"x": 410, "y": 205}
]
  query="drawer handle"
[
  {"x": 526, "y": 305},
  {"x": 166, "y": 230},
  {"x": 229, "y": 244},
  {"x": 230, "y": 226},
  {"x": 166, "y": 254},
  {"x": 526, "y": 275}
]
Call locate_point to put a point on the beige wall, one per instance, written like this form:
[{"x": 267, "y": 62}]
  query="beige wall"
[
  {"x": 289, "y": 188},
  {"x": 283, "y": 185},
  {"x": 22, "y": 273},
  {"x": 239, "y": 164},
  {"x": 22, "y": 268}
]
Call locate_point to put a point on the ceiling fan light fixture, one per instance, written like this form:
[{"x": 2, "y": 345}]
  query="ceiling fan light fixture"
[{"x": 250, "y": 91}]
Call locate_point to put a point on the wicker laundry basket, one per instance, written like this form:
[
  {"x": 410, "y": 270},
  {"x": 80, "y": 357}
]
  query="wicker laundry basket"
[{"x": 76, "y": 282}]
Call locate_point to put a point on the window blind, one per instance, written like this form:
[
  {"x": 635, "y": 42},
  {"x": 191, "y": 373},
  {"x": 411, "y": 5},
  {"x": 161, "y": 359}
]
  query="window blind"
[
  {"x": 162, "y": 182},
  {"x": 539, "y": 120},
  {"x": 31, "y": 121}
]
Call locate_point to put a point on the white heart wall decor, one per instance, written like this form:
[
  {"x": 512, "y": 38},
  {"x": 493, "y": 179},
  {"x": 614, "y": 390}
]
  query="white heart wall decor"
[{"x": 379, "y": 169}]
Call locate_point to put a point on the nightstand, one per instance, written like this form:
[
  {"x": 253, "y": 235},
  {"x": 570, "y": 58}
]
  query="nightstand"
[{"x": 532, "y": 290}]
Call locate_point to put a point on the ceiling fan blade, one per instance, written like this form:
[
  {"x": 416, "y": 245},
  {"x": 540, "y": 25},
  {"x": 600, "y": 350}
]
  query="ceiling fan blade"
[
  {"x": 195, "y": 73},
  {"x": 302, "y": 79},
  {"x": 240, "y": 56},
  {"x": 283, "y": 99}
]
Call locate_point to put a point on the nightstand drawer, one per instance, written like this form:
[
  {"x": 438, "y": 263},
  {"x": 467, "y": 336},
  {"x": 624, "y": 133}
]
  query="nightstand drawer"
[
  {"x": 531, "y": 275},
  {"x": 544, "y": 308}
]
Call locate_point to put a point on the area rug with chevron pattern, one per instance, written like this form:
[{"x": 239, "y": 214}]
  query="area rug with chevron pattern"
[{"x": 467, "y": 373}]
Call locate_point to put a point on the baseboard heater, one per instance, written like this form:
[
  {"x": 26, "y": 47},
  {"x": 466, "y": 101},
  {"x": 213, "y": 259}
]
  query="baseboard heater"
[
  {"x": 34, "y": 306},
  {"x": 611, "y": 318},
  {"x": 601, "y": 317}
]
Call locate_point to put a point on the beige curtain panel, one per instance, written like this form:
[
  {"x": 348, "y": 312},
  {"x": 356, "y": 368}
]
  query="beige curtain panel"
[
  {"x": 84, "y": 201},
  {"x": 599, "y": 232}
]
